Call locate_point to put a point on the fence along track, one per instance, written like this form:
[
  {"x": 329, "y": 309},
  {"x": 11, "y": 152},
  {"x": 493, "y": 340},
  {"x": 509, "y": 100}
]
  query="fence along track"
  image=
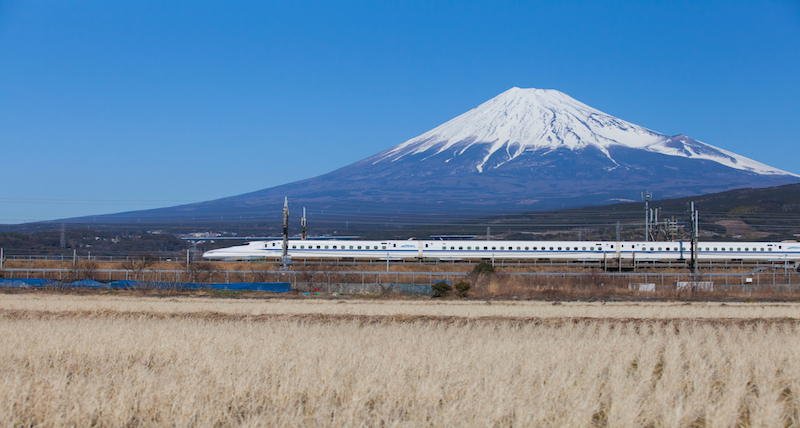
[{"x": 785, "y": 279}]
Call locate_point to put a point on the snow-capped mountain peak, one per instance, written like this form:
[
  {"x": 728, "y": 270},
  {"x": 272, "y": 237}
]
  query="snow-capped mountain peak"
[{"x": 541, "y": 120}]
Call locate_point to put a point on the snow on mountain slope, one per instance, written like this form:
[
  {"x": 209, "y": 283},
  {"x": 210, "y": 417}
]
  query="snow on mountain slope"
[{"x": 525, "y": 120}]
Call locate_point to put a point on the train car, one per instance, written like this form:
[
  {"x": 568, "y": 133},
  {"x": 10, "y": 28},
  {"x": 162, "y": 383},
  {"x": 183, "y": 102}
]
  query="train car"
[{"x": 453, "y": 250}]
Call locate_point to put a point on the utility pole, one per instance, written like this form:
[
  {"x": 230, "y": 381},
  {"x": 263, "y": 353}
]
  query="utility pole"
[
  {"x": 619, "y": 248},
  {"x": 652, "y": 222},
  {"x": 646, "y": 196},
  {"x": 285, "y": 258},
  {"x": 695, "y": 227},
  {"x": 303, "y": 225}
]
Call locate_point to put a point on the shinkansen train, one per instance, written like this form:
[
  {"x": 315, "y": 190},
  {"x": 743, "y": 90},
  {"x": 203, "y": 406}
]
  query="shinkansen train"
[{"x": 450, "y": 250}]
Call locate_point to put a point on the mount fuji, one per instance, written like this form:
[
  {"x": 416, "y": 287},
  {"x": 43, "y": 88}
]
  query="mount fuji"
[{"x": 524, "y": 150}]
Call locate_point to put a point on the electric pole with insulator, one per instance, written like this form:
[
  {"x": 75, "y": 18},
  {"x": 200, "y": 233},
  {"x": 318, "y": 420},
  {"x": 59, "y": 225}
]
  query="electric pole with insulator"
[
  {"x": 646, "y": 196},
  {"x": 285, "y": 259},
  {"x": 695, "y": 227},
  {"x": 303, "y": 225}
]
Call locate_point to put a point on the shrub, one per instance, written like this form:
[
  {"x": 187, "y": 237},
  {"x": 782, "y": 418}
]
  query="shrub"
[
  {"x": 441, "y": 289},
  {"x": 484, "y": 267},
  {"x": 463, "y": 288}
]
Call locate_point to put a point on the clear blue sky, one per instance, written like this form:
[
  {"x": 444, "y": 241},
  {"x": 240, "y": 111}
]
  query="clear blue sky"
[{"x": 110, "y": 106}]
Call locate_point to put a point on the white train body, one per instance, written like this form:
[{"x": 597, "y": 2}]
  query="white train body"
[{"x": 447, "y": 250}]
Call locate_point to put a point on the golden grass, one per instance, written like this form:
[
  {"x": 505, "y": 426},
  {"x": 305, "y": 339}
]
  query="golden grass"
[
  {"x": 425, "y": 307},
  {"x": 110, "y": 361}
]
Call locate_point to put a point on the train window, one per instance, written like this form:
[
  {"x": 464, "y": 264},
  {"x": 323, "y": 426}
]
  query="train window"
[
  {"x": 747, "y": 249},
  {"x": 351, "y": 247},
  {"x": 526, "y": 248},
  {"x": 394, "y": 245},
  {"x": 770, "y": 249},
  {"x": 273, "y": 244},
  {"x": 559, "y": 248},
  {"x": 738, "y": 249},
  {"x": 535, "y": 248},
  {"x": 583, "y": 249},
  {"x": 576, "y": 248},
  {"x": 294, "y": 246},
  {"x": 502, "y": 248},
  {"x": 426, "y": 245},
  {"x": 469, "y": 248},
  {"x": 452, "y": 248},
  {"x": 519, "y": 248},
  {"x": 485, "y": 248},
  {"x": 334, "y": 247},
  {"x": 301, "y": 247},
  {"x": 460, "y": 248},
  {"x": 612, "y": 246},
  {"x": 326, "y": 247},
  {"x": 359, "y": 247},
  {"x": 659, "y": 248},
  {"x": 551, "y": 248},
  {"x": 384, "y": 247}
]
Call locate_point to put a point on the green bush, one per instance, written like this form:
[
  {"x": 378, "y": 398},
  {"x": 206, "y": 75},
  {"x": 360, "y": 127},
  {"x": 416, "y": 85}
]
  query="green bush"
[
  {"x": 441, "y": 289},
  {"x": 463, "y": 288},
  {"x": 484, "y": 267}
]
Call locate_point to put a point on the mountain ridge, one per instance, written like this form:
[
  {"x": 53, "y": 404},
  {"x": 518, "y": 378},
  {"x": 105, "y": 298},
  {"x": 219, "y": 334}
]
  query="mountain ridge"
[
  {"x": 533, "y": 119},
  {"x": 545, "y": 150}
]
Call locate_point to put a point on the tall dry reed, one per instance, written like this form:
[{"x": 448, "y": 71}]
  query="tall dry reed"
[{"x": 111, "y": 368}]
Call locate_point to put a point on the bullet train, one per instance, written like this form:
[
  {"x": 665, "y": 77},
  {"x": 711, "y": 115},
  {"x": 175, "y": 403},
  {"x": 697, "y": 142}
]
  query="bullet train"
[{"x": 453, "y": 250}]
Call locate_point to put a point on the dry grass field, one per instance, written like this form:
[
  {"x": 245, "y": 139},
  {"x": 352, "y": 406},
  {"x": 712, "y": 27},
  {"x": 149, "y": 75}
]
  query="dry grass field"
[{"x": 98, "y": 360}]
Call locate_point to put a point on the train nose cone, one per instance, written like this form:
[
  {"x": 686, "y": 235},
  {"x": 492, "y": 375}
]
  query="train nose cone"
[{"x": 208, "y": 254}]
